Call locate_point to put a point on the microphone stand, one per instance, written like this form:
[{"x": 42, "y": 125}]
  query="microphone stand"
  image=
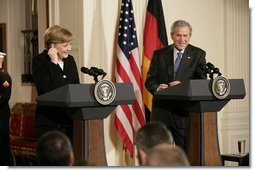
[{"x": 95, "y": 78}]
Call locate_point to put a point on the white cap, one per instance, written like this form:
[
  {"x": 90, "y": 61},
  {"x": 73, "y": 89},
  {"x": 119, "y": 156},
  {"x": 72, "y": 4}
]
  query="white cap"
[{"x": 2, "y": 54}]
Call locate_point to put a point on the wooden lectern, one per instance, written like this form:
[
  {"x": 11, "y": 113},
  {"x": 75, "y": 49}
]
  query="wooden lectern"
[
  {"x": 196, "y": 97},
  {"x": 79, "y": 102}
]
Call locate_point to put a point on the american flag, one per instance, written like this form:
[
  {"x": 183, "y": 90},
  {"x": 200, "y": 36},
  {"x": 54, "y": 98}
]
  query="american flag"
[{"x": 128, "y": 70}]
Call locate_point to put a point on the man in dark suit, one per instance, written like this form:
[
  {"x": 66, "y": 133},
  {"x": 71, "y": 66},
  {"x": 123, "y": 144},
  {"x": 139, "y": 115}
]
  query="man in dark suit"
[{"x": 164, "y": 72}]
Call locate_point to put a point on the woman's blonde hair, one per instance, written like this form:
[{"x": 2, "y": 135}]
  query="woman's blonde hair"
[{"x": 57, "y": 34}]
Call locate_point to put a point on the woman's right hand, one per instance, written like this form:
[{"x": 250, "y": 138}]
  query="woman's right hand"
[{"x": 52, "y": 52}]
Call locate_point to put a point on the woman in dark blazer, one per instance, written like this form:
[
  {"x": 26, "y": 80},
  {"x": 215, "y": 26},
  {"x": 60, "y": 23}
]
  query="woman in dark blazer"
[
  {"x": 163, "y": 74},
  {"x": 54, "y": 68}
]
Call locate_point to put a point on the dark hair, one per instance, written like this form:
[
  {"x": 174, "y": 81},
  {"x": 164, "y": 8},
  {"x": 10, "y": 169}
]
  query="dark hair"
[
  {"x": 151, "y": 134},
  {"x": 54, "y": 149}
]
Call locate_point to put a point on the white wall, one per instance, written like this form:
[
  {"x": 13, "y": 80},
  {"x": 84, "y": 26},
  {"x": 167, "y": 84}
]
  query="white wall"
[{"x": 220, "y": 27}]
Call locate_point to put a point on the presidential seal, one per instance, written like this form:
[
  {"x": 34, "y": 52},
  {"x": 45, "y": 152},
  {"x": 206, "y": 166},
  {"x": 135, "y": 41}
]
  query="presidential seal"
[
  {"x": 220, "y": 87},
  {"x": 105, "y": 92}
]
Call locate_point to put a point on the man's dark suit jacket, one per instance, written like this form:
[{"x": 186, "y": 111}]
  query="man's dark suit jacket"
[{"x": 161, "y": 71}]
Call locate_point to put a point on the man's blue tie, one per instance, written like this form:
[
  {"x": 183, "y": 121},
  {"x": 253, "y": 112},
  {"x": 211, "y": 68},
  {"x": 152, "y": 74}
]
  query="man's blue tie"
[{"x": 177, "y": 62}]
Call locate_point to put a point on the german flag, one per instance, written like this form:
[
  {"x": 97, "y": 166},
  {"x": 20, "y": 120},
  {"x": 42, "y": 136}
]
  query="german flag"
[{"x": 155, "y": 37}]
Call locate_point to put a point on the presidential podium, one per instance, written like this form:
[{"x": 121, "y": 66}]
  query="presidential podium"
[
  {"x": 197, "y": 98},
  {"x": 79, "y": 102}
]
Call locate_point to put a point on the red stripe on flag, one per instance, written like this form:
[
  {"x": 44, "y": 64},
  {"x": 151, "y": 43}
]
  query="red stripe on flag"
[
  {"x": 139, "y": 112},
  {"x": 122, "y": 132},
  {"x": 136, "y": 72},
  {"x": 121, "y": 71},
  {"x": 127, "y": 113}
]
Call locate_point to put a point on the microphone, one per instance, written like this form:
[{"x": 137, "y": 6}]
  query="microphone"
[
  {"x": 85, "y": 70},
  {"x": 99, "y": 71},
  {"x": 210, "y": 65},
  {"x": 211, "y": 70},
  {"x": 90, "y": 72},
  {"x": 217, "y": 71}
]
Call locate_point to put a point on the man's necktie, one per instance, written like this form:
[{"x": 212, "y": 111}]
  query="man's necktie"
[{"x": 177, "y": 62}]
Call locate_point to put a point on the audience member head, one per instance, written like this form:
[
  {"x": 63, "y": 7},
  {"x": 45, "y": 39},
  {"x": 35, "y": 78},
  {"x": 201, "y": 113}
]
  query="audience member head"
[
  {"x": 54, "y": 149},
  {"x": 149, "y": 135},
  {"x": 167, "y": 155}
]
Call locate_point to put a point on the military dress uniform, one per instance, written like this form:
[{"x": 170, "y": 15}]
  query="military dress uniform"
[{"x": 5, "y": 94}]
